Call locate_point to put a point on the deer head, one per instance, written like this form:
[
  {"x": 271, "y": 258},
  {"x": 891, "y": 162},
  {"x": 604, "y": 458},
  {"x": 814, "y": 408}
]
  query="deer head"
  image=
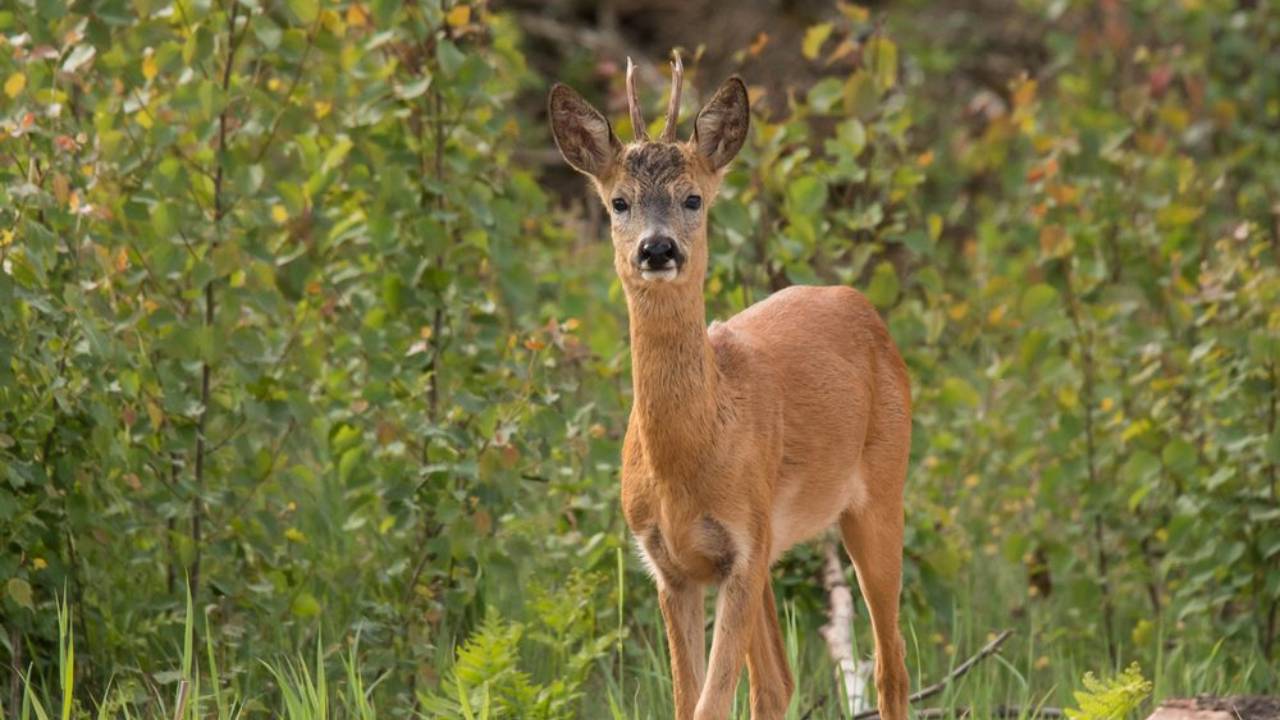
[{"x": 657, "y": 192}]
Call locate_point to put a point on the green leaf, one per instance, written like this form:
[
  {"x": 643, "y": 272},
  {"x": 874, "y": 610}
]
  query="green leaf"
[
  {"x": 1037, "y": 300},
  {"x": 305, "y": 605},
  {"x": 883, "y": 290},
  {"x": 806, "y": 195},
  {"x": 305, "y": 10},
  {"x": 20, "y": 591},
  {"x": 956, "y": 392},
  {"x": 884, "y": 62},
  {"x": 1273, "y": 446},
  {"x": 1179, "y": 456}
]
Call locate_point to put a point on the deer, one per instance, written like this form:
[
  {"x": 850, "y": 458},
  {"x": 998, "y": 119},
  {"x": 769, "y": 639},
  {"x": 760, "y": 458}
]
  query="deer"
[{"x": 748, "y": 436}]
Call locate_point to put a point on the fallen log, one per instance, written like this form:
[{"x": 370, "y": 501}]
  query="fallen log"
[{"x": 1237, "y": 707}]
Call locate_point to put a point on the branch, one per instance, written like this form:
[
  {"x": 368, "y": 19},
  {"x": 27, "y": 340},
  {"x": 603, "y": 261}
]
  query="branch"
[
  {"x": 951, "y": 677},
  {"x": 1004, "y": 711}
]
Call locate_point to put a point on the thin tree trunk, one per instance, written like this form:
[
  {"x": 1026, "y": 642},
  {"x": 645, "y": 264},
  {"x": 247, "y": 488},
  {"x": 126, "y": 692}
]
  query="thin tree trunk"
[
  {"x": 210, "y": 308},
  {"x": 849, "y": 674},
  {"x": 1085, "y": 339}
]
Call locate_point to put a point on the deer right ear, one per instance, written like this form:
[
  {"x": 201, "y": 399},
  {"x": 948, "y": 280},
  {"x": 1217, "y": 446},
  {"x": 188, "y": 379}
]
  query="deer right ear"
[{"x": 582, "y": 134}]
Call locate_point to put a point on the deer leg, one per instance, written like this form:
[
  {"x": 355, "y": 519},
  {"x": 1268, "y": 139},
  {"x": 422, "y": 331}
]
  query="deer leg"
[
  {"x": 767, "y": 671},
  {"x": 683, "y": 615},
  {"x": 738, "y": 606},
  {"x": 873, "y": 539}
]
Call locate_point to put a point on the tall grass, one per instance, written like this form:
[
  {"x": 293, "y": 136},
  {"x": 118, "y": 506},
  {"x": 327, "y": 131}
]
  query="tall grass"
[{"x": 1035, "y": 669}]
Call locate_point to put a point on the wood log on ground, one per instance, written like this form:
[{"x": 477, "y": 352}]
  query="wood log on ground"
[{"x": 1239, "y": 707}]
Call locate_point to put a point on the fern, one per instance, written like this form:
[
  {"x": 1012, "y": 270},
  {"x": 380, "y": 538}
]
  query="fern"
[
  {"x": 487, "y": 682},
  {"x": 1112, "y": 698}
]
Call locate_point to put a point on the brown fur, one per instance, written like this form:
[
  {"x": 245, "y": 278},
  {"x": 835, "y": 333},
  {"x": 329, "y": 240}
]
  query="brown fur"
[{"x": 750, "y": 436}]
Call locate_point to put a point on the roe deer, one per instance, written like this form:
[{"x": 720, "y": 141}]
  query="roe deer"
[{"x": 749, "y": 436}]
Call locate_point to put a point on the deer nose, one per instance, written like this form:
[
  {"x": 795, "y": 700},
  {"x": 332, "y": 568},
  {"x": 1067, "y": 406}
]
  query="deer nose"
[{"x": 657, "y": 253}]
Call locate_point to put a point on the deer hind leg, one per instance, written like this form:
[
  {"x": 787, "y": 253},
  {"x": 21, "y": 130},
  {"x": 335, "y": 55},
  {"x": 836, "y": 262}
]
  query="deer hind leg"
[
  {"x": 767, "y": 671},
  {"x": 683, "y": 614},
  {"x": 873, "y": 538}
]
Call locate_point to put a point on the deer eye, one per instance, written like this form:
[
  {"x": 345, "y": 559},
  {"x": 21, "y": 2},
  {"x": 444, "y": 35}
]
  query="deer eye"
[
  {"x": 620, "y": 205},
  {"x": 693, "y": 202}
]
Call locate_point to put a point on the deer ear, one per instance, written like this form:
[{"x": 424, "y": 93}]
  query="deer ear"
[
  {"x": 721, "y": 126},
  {"x": 582, "y": 134}
]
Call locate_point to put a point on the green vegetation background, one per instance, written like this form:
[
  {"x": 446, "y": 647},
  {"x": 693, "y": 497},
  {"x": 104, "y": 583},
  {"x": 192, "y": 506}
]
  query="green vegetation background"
[{"x": 289, "y": 310}]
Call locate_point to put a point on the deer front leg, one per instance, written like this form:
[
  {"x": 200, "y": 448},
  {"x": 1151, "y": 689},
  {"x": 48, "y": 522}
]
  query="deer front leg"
[
  {"x": 682, "y": 612},
  {"x": 738, "y": 606}
]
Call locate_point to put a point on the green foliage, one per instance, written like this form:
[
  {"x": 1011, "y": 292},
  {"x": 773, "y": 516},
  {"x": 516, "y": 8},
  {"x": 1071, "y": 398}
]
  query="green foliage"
[
  {"x": 287, "y": 310},
  {"x": 1113, "y": 698}
]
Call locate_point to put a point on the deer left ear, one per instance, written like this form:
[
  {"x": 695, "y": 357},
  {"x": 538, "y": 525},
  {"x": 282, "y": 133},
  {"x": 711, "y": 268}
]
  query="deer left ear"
[{"x": 721, "y": 126}]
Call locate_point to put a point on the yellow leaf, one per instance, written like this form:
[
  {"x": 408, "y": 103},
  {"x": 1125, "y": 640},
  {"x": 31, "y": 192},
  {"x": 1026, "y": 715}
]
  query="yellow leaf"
[
  {"x": 61, "y": 188},
  {"x": 323, "y": 108},
  {"x": 1024, "y": 93},
  {"x": 149, "y": 68},
  {"x": 356, "y": 16},
  {"x": 814, "y": 37},
  {"x": 856, "y": 13},
  {"x": 460, "y": 15},
  {"x": 155, "y": 415},
  {"x": 15, "y": 84},
  {"x": 279, "y": 214},
  {"x": 39, "y": 563},
  {"x": 997, "y": 314},
  {"x": 935, "y": 226},
  {"x": 332, "y": 22},
  {"x": 6, "y": 237}
]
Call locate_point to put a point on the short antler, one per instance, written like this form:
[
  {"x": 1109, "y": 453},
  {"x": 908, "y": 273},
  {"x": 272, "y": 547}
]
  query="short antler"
[
  {"x": 633, "y": 102},
  {"x": 673, "y": 105}
]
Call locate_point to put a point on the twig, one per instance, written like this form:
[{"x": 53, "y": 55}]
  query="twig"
[
  {"x": 1004, "y": 711},
  {"x": 951, "y": 677}
]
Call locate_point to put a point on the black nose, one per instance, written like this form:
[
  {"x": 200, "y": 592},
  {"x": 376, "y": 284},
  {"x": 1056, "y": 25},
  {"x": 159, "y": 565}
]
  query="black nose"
[{"x": 656, "y": 252}]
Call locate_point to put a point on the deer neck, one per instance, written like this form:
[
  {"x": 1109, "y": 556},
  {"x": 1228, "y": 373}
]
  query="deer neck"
[{"x": 674, "y": 378}]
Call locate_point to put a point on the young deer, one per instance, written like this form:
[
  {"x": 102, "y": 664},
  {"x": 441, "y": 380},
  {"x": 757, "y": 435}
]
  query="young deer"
[{"x": 747, "y": 437}]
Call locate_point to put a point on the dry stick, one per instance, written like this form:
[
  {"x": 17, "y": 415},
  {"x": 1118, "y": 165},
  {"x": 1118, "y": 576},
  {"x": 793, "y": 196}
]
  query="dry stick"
[
  {"x": 180, "y": 707},
  {"x": 951, "y": 677},
  {"x": 1006, "y": 711},
  {"x": 836, "y": 631}
]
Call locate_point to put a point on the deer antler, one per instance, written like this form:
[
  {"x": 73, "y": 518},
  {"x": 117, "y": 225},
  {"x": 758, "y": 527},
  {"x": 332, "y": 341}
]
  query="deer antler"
[
  {"x": 633, "y": 102},
  {"x": 673, "y": 105}
]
